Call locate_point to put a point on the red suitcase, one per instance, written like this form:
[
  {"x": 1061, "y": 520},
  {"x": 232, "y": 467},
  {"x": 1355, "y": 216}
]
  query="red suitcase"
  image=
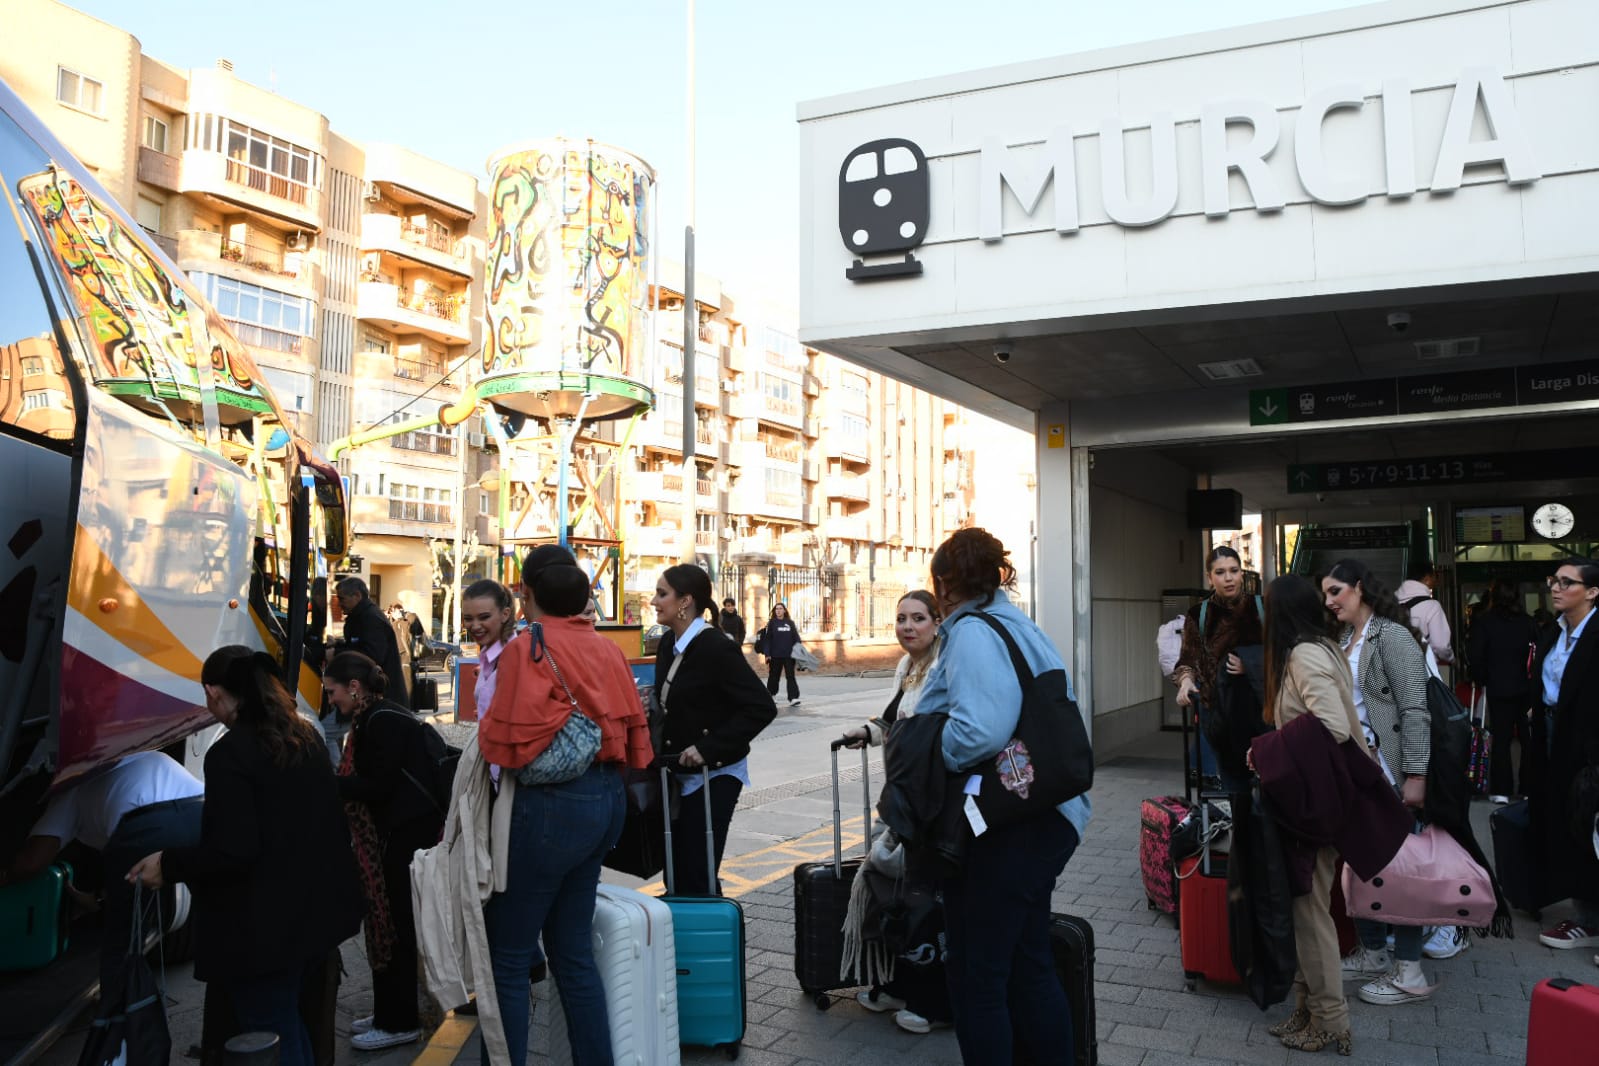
[
  {"x": 1563, "y": 1023},
  {"x": 1202, "y": 922}
]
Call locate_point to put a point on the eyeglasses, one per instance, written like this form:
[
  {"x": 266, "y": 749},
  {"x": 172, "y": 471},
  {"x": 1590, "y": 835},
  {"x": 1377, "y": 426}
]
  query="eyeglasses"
[{"x": 1564, "y": 582}]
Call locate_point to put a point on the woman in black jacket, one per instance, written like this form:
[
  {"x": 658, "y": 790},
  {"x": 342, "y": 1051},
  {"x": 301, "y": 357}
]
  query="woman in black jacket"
[
  {"x": 1502, "y": 644},
  {"x": 274, "y": 885},
  {"x": 777, "y": 641},
  {"x": 714, "y": 706},
  {"x": 382, "y": 780}
]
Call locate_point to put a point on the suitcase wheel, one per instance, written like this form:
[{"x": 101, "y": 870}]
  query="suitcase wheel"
[
  {"x": 1188, "y": 984},
  {"x": 731, "y": 1051},
  {"x": 823, "y": 1001}
]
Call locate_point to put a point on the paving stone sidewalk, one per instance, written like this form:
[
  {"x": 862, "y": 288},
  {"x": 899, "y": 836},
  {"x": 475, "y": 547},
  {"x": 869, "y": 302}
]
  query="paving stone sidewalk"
[{"x": 1477, "y": 1017}]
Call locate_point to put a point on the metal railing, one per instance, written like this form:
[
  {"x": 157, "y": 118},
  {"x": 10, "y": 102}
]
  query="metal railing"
[
  {"x": 444, "y": 307},
  {"x": 876, "y": 606},
  {"x": 417, "y": 511},
  {"x": 428, "y": 237},
  {"x": 266, "y": 337},
  {"x": 261, "y": 180},
  {"x": 787, "y": 450},
  {"x": 257, "y": 257},
  {"x": 420, "y": 369},
  {"x": 704, "y": 486},
  {"x": 417, "y": 441},
  {"x": 705, "y": 435}
]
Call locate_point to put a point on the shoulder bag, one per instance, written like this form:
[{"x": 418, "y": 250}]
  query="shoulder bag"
[
  {"x": 572, "y": 750},
  {"x": 1048, "y": 760}
]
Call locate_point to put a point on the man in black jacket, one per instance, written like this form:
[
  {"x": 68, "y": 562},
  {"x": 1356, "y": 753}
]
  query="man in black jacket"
[
  {"x": 732, "y": 622},
  {"x": 368, "y": 631}
]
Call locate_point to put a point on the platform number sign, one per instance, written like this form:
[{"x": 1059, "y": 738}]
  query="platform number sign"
[{"x": 883, "y": 207}]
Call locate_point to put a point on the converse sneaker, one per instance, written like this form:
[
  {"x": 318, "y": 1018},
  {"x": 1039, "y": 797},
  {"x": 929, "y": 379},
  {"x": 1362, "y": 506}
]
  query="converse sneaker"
[
  {"x": 878, "y": 1001},
  {"x": 1497, "y": 800},
  {"x": 1568, "y": 934},
  {"x": 1404, "y": 984},
  {"x": 794, "y": 702},
  {"x": 362, "y": 1025},
  {"x": 1366, "y": 962},
  {"x": 1447, "y": 942},
  {"x": 912, "y": 1022},
  {"x": 378, "y": 1039}
]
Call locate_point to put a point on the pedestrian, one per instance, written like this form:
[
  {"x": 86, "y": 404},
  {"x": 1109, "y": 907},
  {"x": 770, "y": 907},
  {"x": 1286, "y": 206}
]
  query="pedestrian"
[
  {"x": 732, "y": 623},
  {"x": 488, "y": 614},
  {"x": 559, "y": 833},
  {"x": 275, "y": 886},
  {"x": 715, "y": 706},
  {"x": 1424, "y": 614},
  {"x": 1307, "y": 674},
  {"x": 391, "y": 813},
  {"x": 1210, "y": 668},
  {"x": 1000, "y": 963},
  {"x": 1504, "y": 646},
  {"x": 1389, "y": 667},
  {"x": 1565, "y": 791},
  {"x": 916, "y": 990},
  {"x": 369, "y": 631},
  {"x": 142, "y": 803},
  {"x": 777, "y": 640}
]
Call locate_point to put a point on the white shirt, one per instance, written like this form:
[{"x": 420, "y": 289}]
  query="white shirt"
[
  {"x": 90, "y": 811},
  {"x": 1554, "y": 664},
  {"x": 740, "y": 769},
  {"x": 1353, "y": 652}
]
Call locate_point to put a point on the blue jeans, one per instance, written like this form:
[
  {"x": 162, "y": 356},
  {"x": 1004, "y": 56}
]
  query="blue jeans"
[
  {"x": 1407, "y": 938},
  {"x": 559, "y": 834},
  {"x": 1000, "y": 966},
  {"x": 271, "y": 1004}
]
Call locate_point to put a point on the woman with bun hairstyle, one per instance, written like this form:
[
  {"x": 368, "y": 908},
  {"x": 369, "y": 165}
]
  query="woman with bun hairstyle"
[
  {"x": 559, "y": 833},
  {"x": 391, "y": 816},
  {"x": 1000, "y": 965},
  {"x": 274, "y": 885},
  {"x": 715, "y": 706}
]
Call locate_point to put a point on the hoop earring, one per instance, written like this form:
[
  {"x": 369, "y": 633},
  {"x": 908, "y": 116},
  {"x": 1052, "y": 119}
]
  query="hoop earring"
[{"x": 682, "y": 612}]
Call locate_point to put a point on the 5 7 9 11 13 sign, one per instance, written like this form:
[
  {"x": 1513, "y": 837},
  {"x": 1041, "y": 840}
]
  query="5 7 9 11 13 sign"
[{"x": 1364, "y": 475}]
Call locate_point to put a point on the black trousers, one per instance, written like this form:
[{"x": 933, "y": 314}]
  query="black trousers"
[
  {"x": 1507, "y": 719},
  {"x": 394, "y": 1006},
  {"x": 782, "y": 666},
  {"x": 688, "y": 836}
]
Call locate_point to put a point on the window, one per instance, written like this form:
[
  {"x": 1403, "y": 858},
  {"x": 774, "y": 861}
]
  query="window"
[
  {"x": 485, "y": 503},
  {"x": 155, "y": 134},
  {"x": 375, "y": 342},
  {"x": 782, "y": 487},
  {"x": 781, "y": 395},
  {"x": 41, "y": 398},
  {"x": 853, "y": 382},
  {"x": 147, "y": 213},
  {"x": 418, "y": 503},
  {"x": 32, "y": 365},
  {"x": 261, "y": 317},
  {"x": 269, "y": 164},
  {"x": 77, "y": 91},
  {"x": 435, "y": 440}
]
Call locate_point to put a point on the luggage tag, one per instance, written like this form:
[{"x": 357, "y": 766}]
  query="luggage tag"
[{"x": 974, "y": 817}]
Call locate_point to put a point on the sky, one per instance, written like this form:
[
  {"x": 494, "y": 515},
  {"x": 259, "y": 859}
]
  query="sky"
[{"x": 459, "y": 82}]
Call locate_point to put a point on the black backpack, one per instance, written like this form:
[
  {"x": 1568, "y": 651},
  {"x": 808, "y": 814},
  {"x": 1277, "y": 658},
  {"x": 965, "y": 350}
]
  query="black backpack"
[
  {"x": 430, "y": 763},
  {"x": 1448, "y": 801}
]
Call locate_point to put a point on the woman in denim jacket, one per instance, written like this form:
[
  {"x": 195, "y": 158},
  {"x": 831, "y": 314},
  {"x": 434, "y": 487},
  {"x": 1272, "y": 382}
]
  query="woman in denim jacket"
[{"x": 1001, "y": 969}]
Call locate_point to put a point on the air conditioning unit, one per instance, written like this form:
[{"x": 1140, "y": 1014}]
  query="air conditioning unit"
[
  {"x": 298, "y": 242},
  {"x": 372, "y": 193}
]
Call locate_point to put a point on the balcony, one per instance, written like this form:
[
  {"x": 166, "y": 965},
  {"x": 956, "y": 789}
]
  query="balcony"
[
  {"x": 158, "y": 169},
  {"x": 704, "y": 538},
  {"x": 813, "y": 427},
  {"x": 417, "y": 511},
  {"x": 443, "y": 317},
  {"x": 419, "y": 243},
  {"x": 272, "y": 340},
  {"x": 211, "y": 174},
  {"x": 783, "y": 412},
  {"x": 253, "y": 259},
  {"x": 733, "y": 358},
  {"x": 811, "y": 470},
  {"x": 844, "y": 487},
  {"x": 787, "y": 451},
  {"x": 847, "y": 527},
  {"x": 704, "y": 487},
  {"x": 813, "y": 385},
  {"x": 657, "y": 486}
]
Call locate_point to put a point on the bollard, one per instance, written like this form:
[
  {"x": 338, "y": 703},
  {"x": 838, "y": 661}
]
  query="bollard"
[{"x": 251, "y": 1049}]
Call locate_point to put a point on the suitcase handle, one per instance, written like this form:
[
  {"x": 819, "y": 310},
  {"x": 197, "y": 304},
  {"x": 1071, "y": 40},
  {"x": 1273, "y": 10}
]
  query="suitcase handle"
[
  {"x": 710, "y": 837},
  {"x": 838, "y": 815}
]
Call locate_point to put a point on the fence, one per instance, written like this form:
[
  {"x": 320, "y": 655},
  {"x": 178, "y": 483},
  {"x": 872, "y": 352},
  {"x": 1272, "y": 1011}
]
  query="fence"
[{"x": 876, "y": 607}]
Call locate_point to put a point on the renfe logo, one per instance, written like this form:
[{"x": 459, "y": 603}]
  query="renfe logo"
[
  {"x": 883, "y": 206},
  {"x": 883, "y": 185}
]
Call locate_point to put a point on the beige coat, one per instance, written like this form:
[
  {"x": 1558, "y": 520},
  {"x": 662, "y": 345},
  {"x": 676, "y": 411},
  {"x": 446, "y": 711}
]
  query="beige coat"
[
  {"x": 1318, "y": 681},
  {"x": 451, "y": 881}
]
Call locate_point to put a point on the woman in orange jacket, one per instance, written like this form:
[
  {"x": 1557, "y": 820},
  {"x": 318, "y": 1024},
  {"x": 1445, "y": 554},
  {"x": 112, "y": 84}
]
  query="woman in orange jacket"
[{"x": 559, "y": 832}]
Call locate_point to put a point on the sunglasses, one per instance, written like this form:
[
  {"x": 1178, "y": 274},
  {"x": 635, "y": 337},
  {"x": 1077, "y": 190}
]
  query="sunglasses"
[{"x": 1564, "y": 582}]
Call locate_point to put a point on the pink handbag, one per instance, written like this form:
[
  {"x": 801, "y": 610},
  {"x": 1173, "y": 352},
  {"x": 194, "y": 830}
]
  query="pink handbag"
[{"x": 1432, "y": 881}]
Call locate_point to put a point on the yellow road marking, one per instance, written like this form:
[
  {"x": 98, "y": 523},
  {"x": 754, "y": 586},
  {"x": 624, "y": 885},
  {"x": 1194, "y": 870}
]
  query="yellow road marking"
[{"x": 745, "y": 873}]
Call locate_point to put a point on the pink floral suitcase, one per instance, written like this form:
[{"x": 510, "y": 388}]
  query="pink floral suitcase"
[{"x": 1159, "y": 817}]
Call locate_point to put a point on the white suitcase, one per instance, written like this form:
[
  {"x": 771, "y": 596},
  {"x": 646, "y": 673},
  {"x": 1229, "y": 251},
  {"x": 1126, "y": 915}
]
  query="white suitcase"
[{"x": 637, "y": 958}]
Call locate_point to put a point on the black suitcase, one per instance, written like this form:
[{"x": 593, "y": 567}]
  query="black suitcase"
[
  {"x": 821, "y": 900},
  {"x": 1072, "y": 940},
  {"x": 425, "y": 694},
  {"x": 1518, "y": 861}
]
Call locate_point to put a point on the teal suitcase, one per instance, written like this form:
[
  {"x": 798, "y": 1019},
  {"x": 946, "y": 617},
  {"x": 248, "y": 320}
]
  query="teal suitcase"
[
  {"x": 709, "y": 931},
  {"x": 33, "y": 920}
]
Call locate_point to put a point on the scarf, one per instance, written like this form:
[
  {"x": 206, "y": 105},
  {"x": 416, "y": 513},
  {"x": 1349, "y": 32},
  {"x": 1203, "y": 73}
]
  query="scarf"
[
  {"x": 1231, "y": 624},
  {"x": 368, "y": 848},
  {"x": 866, "y": 957}
]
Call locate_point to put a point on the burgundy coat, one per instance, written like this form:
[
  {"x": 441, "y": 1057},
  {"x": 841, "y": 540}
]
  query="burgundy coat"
[{"x": 1327, "y": 794}]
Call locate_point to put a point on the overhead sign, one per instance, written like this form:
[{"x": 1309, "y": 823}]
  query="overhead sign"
[
  {"x": 1465, "y": 390},
  {"x": 1367, "y": 474}
]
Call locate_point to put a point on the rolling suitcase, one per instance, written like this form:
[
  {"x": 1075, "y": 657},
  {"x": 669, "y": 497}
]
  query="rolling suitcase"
[
  {"x": 1072, "y": 941},
  {"x": 1202, "y": 924},
  {"x": 425, "y": 695},
  {"x": 33, "y": 919},
  {"x": 821, "y": 900},
  {"x": 1518, "y": 862},
  {"x": 1158, "y": 820},
  {"x": 709, "y": 931},
  {"x": 1562, "y": 1024},
  {"x": 634, "y": 950}
]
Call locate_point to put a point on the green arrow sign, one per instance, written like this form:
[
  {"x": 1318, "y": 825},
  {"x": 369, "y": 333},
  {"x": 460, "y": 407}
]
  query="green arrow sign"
[{"x": 1268, "y": 407}]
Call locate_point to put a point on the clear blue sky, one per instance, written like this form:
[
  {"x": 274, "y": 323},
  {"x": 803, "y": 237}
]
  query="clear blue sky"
[{"x": 456, "y": 81}]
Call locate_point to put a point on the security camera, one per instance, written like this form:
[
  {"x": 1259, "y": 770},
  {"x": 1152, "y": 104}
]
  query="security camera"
[
  {"x": 1002, "y": 351},
  {"x": 1399, "y": 321}
]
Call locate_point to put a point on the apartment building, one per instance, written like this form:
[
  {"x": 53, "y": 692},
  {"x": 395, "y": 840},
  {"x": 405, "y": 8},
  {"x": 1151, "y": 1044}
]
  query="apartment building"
[{"x": 349, "y": 270}]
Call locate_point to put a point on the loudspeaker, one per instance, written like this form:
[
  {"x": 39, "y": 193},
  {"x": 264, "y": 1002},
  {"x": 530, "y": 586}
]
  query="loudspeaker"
[{"x": 1215, "y": 509}]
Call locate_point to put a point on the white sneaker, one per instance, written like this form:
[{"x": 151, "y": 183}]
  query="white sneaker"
[
  {"x": 1446, "y": 943},
  {"x": 363, "y": 1025},
  {"x": 1405, "y": 984},
  {"x": 378, "y": 1039},
  {"x": 879, "y": 1001},
  {"x": 794, "y": 702},
  {"x": 1366, "y": 962},
  {"x": 912, "y": 1022},
  {"x": 1498, "y": 800}
]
